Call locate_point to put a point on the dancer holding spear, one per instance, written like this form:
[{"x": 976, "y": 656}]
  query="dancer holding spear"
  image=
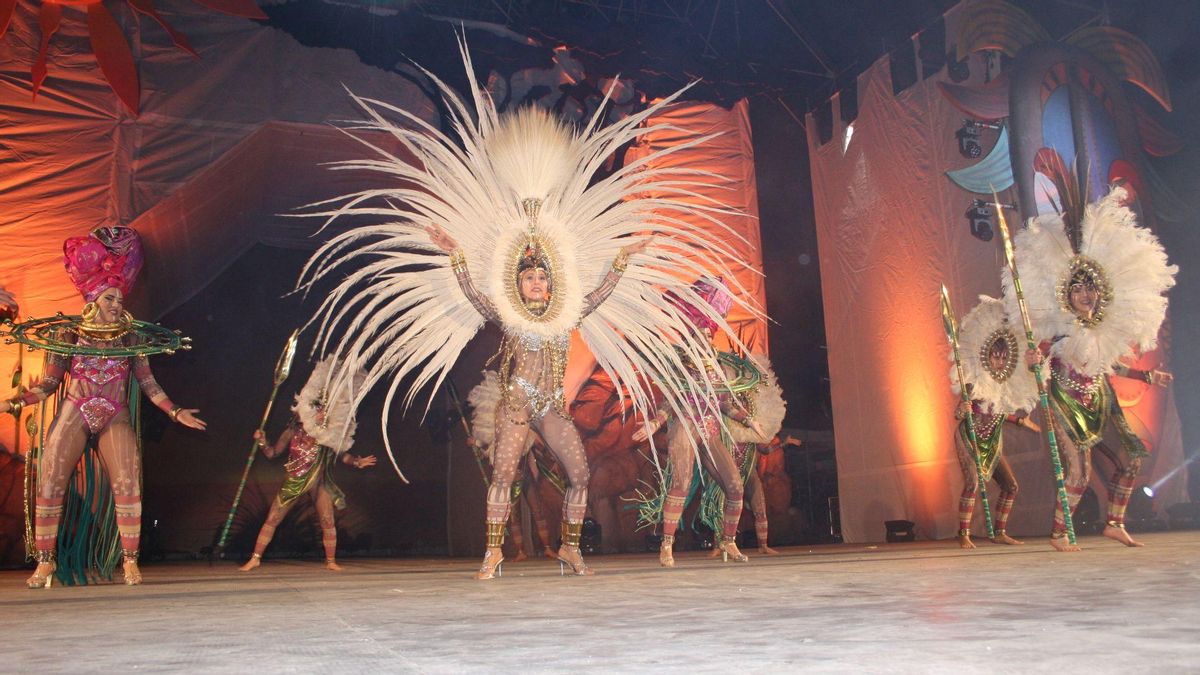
[
  {"x": 1096, "y": 297},
  {"x": 990, "y": 396}
]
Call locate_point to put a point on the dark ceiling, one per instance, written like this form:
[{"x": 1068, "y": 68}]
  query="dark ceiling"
[{"x": 798, "y": 52}]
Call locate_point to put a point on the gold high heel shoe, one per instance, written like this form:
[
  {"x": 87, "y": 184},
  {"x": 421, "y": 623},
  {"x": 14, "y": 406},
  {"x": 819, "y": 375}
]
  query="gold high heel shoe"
[
  {"x": 492, "y": 566},
  {"x": 568, "y": 553},
  {"x": 666, "y": 556},
  {"x": 129, "y": 563},
  {"x": 43, "y": 576},
  {"x": 493, "y": 557},
  {"x": 730, "y": 550}
]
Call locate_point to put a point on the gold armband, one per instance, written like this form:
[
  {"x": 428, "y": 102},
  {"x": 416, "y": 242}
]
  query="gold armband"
[
  {"x": 15, "y": 406},
  {"x": 174, "y": 414},
  {"x": 458, "y": 260},
  {"x": 621, "y": 262}
]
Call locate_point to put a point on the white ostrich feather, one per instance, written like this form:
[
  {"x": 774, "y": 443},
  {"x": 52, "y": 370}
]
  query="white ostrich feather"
[
  {"x": 337, "y": 431},
  {"x": 975, "y": 332},
  {"x": 401, "y": 314},
  {"x": 768, "y": 406},
  {"x": 485, "y": 400},
  {"x": 1135, "y": 265}
]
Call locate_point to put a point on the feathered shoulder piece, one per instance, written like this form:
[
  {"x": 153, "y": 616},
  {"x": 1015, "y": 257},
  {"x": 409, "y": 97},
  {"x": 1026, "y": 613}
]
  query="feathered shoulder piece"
[
  {"x": 991, "y": 358},
  {"x": 766, "y": 405},
  {"x": 519, "y": 190},
  {"x": 325, "y": 405},
  {"x": 1119, "y": 267},
  {"x": 485, "y": 401}
]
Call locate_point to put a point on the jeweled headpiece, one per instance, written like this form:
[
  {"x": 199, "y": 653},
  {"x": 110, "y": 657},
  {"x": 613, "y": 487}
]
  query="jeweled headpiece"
[
  {"x": 109, "y": 257},
  {"x": 1082, "y": 270},
  {"x": 715, "y": 293}
]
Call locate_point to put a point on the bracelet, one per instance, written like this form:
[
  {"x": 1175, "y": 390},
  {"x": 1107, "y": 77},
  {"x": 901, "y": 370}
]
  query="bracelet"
[
  {"x": 1148, "y": 376},
  {"x": 15, "y": 405},
  {"x": 621, "y": 262},
  {"x": 458, "y": 260},
  {"x": 174, "y": 414}
]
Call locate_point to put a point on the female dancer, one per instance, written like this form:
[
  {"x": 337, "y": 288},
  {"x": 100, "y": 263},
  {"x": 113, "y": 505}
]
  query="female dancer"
[
  {"x": 715, "y": 455},
  {"x": 1097, "y": 290},
  {"x": 538, "y": 245},
  {"x": 321, "y": 430},
  {"x": 103, "y": 267},
  {"x": 989, "y": 348},
  {"x": 532, "y": 396}
]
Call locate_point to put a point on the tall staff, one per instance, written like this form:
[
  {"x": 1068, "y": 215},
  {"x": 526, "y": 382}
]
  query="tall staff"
[
  {"x": 282, "y": 368},
  {"x": 1060, "y": 485},
  {"x": 951, "y": 327}
]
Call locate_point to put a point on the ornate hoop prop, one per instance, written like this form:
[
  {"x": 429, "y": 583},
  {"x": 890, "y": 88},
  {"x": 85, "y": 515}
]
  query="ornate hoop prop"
[{"x": 42, "y": 333}]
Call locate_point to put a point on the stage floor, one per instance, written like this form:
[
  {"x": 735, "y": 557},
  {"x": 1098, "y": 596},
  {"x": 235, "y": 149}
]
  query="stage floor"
[{"x": 923, "y": 607}]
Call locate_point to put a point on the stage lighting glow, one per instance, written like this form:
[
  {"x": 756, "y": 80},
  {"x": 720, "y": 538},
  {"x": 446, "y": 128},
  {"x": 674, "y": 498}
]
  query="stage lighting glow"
[
  {"x": 1148, "y": 491},
  {"x": 846, "y": 138}
]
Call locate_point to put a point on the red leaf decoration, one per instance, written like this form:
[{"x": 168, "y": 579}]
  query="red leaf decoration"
[
  {"x": 147, "y": 7},
  {"x": 113, "y": 55},
  {"x": 49, "y": 17}
]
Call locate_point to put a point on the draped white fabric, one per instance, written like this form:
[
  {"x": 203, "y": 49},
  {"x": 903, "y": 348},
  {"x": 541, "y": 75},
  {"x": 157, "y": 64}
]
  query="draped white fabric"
[{"x": 891, "y": 229}]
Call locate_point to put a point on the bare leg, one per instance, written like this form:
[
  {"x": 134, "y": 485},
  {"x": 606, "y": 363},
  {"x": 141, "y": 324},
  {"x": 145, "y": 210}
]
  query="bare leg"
[
  {"x": 1077, "y": 468},
  {"x": 1003, "y": 474},
  {"x": 275, "y": 516},
  {"x": 64, "y": 446},
  {"x": 718, "y": 461},
  {"x": 758, "y": 506},
  {"x": 1120, "y": 490},
  {"x": 681, "y": 461},
  {"x": 119, "y": 452},
  {"x": 966, "y": 500},
  {"x": 324, "y": 504}
]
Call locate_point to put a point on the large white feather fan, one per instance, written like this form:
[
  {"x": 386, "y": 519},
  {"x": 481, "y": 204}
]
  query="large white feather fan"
[
  {"x": 397, "y": 309},
  {"x": 987, "y": 322}
]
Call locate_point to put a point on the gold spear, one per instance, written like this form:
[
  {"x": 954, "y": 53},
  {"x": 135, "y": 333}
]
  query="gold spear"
[
  {"x": 282, "y": 368},
  {"x": 951, "y": 327},
  {"x": 1055, "y": 461}
]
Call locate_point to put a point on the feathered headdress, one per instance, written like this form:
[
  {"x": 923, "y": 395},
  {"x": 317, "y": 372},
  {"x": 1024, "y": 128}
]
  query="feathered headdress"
[
  {"x": 987, "y": 328},
  {"x": 1124, "y": 263},
  {"x": 326, "y": 392},
  {"x": 508, "y": 184}
]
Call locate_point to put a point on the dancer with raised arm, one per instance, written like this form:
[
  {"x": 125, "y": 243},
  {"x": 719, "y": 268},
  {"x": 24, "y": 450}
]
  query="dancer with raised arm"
[
  {"x": 506, "y": 223},
  {"x": 1095, "y": 295},
  {"x": 319, "y": 435}
]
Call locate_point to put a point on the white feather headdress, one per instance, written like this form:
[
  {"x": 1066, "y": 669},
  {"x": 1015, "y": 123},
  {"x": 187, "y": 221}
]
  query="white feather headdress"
[
  {"x": 324, "y": 390},
  {"x": 1012, "y": 388},
  {"x": 402, "y": 315},
  {"x": 1134, "y": 275}
]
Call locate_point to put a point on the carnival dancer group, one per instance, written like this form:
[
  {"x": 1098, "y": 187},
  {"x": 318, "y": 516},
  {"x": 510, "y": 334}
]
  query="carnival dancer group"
[{"x": 512, "y": 221}]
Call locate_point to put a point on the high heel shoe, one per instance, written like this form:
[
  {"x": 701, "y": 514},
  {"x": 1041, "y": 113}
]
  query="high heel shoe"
[
  {"x": 575, "y": 562},
  {"x": 666, "y": 556},
  {"x": 568, "y": 554},
  {"x": 492, "y": 566},
  {"x": 129, "y": 564},
  {"x": 729, "y": 550},
  {"x": 43, "y": 576}
]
